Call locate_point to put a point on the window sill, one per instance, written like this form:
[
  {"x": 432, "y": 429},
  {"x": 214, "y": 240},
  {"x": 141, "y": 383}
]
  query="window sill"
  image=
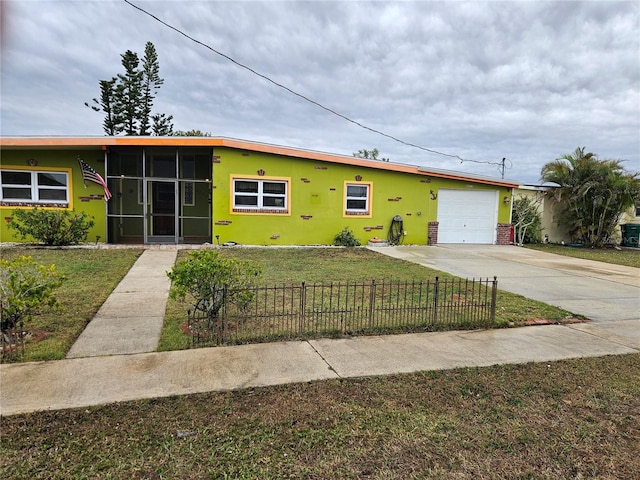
[
  {"x": 261, "y": 211},
  {"x": 5, "y": 203},
  {"x": 357, "y": 214}
]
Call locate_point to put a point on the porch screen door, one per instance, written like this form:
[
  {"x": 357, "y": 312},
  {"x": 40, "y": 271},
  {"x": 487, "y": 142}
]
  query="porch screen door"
[{"x": 161, "y": 211}]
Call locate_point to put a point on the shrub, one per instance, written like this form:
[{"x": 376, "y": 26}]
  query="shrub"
[
  {"x": 526, "y": 220},
  {"x": 25, "y": 289},
  {"x": 346, "y": 238},
  {"x": 207, "y": 280},
  {"x": 51, "y": 227}
]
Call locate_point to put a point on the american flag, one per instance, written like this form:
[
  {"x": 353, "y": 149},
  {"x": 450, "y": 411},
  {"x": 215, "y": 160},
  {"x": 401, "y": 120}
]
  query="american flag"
[{"x": 88, "y": 173}]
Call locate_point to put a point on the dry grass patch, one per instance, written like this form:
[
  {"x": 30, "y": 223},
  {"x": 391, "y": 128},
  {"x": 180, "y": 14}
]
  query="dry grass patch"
[
  {"x": 569, "y": 419},
  {"x": 628, "y": 257}
]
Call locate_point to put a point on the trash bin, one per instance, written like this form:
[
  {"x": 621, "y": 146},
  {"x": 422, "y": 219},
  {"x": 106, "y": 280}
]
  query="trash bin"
[{"x": 630, "y": 234}]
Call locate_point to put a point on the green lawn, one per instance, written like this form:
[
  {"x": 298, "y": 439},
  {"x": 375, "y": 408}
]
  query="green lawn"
[
  {"x": 294, "y": 265},
  {"x": 628, "y": 256},
  {"x": 570, "y": 419},
  {"x": 92, "y": 275}
]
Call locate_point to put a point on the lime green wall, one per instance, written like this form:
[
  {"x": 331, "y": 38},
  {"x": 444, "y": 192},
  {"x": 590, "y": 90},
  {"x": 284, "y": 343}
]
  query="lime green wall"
[
  {"x": 79, "y": 195},
  {"x": 316, "y": 201}
]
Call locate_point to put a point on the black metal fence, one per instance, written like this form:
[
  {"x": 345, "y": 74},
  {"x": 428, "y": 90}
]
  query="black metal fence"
[
  {"x": 12, "y": 341},
  {"x": 336, "y": 309}
]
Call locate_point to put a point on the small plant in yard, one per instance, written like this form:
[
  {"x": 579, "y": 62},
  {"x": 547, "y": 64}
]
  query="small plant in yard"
[
  {"x": 208, "y": 280},
  {"x": 51, "y": 227},
  {"x": 346, "y": 238},
  {"x": 26, "y": 288},
  {"x": 526, "y": 220}
]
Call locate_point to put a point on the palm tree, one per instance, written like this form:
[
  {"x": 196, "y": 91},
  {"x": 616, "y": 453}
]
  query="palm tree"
[{"x": 591, "y": 195}]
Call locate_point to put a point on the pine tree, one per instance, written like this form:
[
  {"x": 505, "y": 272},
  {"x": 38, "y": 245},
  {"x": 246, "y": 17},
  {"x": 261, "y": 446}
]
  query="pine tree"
[
  {"x": 151, "y": 83},
  {"x": 129, "y": 91},
  {"x": 162, "y": 126},
  {"x": 127, "y": 99},
  {"x": 112, "y": 123}
]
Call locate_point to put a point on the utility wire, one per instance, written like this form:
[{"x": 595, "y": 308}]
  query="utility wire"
[{"x": 307, "y": 99}]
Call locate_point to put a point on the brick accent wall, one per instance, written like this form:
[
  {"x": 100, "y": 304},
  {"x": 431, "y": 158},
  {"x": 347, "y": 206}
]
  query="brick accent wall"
[
  {"x": 432, "y": 235},
  {"x": 504, "y": 234}
]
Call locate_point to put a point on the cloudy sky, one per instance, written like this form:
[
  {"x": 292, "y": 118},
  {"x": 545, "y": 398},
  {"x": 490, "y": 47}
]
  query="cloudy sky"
[{"x": 528, "y": 81}]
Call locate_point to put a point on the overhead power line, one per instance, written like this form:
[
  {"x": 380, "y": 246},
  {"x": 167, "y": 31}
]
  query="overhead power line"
[{"x": 305, "y": 98}]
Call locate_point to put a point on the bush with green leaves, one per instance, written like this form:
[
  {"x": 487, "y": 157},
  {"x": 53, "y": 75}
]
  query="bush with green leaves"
[
  {"x": 26, "y": 289},
  {"x": 346, "y": 238},
  {"x": 51, "y": 227},
  {"x": 207, "y": 281},
  {"x": 527, "y": 220}
]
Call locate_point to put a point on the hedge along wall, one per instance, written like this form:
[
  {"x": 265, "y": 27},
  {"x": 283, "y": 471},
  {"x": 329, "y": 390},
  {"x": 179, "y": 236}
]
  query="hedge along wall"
[
  {"x": 316, "y": 193},
  {"x": 88, "y": 199}
]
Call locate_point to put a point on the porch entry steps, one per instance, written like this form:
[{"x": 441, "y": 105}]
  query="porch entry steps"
[{"x": 130, "y": 320}]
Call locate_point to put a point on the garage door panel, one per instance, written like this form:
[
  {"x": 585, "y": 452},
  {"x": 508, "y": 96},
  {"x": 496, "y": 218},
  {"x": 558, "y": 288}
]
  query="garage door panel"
[{"x": 467, "y": 216}]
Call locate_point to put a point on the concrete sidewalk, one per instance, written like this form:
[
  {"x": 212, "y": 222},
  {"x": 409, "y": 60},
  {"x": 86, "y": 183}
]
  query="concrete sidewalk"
[
  {"x": 130, "y": 320},
  {"x": 82, "y": 382}
]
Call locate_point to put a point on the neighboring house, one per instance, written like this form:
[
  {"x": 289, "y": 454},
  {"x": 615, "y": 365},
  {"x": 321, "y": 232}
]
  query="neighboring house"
[
  {"x": 217, "y": 190},
  {"x": 631, "y": 216},
  {"x": 551, "y": 231}
]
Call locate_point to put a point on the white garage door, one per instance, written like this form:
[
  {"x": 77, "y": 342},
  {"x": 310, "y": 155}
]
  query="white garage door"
[{"x": 467, "y": 216}]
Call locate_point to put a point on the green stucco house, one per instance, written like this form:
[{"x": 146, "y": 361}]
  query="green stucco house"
[{"x": 177, "y": 190}]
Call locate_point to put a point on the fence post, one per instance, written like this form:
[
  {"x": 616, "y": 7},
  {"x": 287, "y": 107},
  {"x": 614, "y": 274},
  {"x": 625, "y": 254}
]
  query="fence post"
[
  {"x": 190, "y": 327},
  {"x": 223, "y": 317},
  {"x": 303, "y": 307},
  {"x": 494, "y": 294},
  {"x": 372, "y": 300},
  {"x": 436, "y": 291}
]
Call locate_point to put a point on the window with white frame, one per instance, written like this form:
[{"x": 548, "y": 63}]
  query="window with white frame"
[
  {"x": 357, "y": 198},
  {"x": 31, "y": 186},
  {"x": 257, "y": 194}
]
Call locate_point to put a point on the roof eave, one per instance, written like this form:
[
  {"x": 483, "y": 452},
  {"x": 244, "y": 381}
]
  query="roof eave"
[{"x": 105, "y": 142}]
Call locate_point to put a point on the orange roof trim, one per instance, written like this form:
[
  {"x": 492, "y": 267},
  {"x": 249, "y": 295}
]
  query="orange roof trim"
[{"x": 102, "y": 142}]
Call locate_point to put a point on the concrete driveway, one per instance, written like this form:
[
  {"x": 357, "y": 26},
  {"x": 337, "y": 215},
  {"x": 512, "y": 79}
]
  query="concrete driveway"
[{"x": 599, "y": 291}]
